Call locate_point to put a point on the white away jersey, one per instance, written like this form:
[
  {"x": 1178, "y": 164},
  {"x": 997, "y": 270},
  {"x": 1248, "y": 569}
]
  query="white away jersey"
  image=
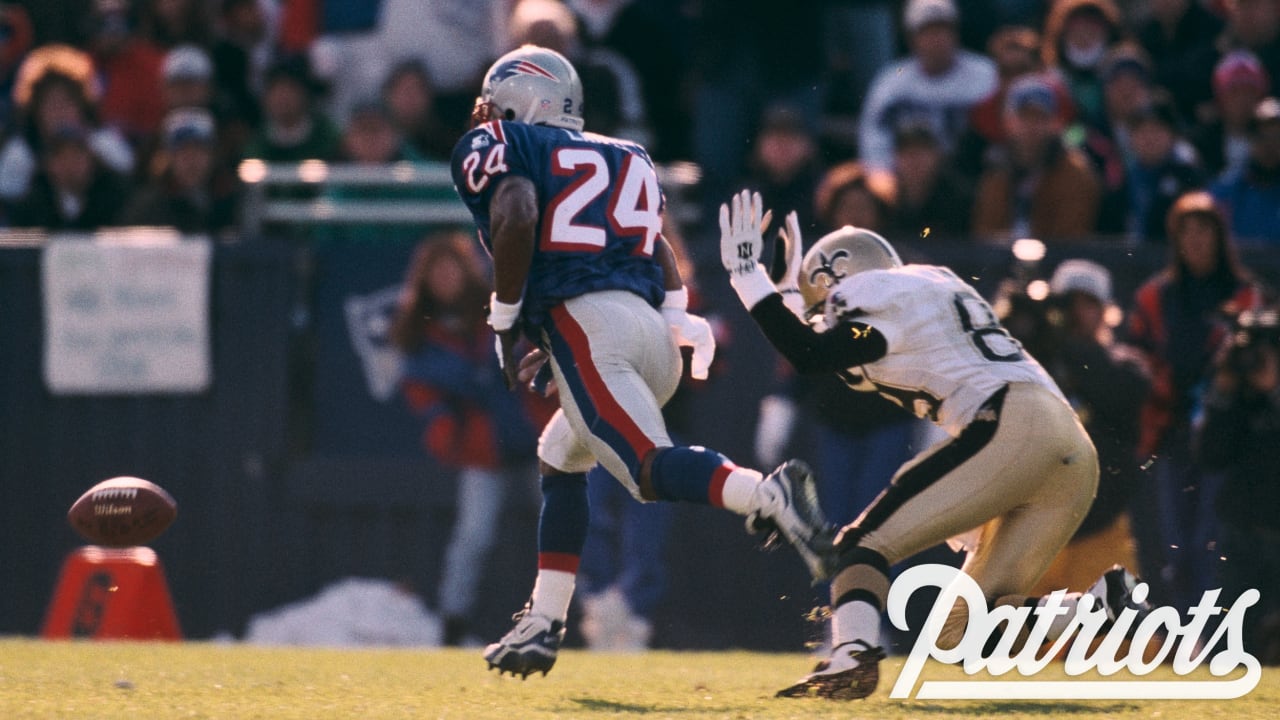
[{"x": 947, "y": 353}]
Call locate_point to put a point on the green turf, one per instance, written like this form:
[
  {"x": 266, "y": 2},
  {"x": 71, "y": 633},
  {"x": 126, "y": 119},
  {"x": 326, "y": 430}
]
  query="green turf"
[{"x": 74, "y": 680}]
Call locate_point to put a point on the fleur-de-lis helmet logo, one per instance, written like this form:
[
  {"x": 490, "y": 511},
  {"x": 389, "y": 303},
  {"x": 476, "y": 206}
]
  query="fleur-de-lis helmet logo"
[
  {"x": 839, "y": 255},
  {"x": 830, "y": 269}
]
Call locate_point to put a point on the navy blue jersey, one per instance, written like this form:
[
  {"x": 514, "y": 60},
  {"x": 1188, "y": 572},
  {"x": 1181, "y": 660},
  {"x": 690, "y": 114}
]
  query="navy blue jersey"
[{"x": 600, "y": 208}]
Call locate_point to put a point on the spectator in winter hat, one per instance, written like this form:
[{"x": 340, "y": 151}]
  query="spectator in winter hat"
[
  {"x": 937, "y": 83},
  {"x": 72, "y": 190},
  {"x": 1251, "y": 196},
  {"x": 933, "y": 199},
  {"x": 293, "y": 127},
  {"x": 188, "y": 77},
  {"x": 1077, "y": 35},
  {"x": 186, "y": 190},
  {"x": 1164, "y": 168},
  {"x": 56, "y": 86},
  {"x": 1240, "y": 82},
  {"x": 1037, "y": 186},
  {"x": 1016, "y": 52}
]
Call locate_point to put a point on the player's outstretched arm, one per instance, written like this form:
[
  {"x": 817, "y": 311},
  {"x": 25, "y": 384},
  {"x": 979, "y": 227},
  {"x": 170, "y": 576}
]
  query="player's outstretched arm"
[
  {"x": 742, "y": 222},
  {"x": 846, "y": 345}
]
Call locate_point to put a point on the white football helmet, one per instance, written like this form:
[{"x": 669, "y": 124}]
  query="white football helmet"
[
  {"x": 531, "y": 85},
  {"x": 838, "y": 255}
]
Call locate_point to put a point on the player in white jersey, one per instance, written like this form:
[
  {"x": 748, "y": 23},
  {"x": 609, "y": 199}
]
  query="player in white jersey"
[
  {"x": 931, "y": 361},
  {"x": 1014, "y": 477}
]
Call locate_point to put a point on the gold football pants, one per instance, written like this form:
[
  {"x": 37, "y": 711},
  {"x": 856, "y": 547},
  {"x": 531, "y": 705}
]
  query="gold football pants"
[{"x": 1024, "y": 472}]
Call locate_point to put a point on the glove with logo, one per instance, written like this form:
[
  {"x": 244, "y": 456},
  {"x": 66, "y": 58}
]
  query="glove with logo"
[{"x": 741, "y": 225}]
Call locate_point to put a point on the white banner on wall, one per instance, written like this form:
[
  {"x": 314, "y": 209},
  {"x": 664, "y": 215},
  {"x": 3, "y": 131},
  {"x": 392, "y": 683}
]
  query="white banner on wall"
[{"x": 126, "y": 313}]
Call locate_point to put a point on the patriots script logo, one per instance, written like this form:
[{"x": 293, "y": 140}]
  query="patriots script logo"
[{"x": 520, "y": 67}]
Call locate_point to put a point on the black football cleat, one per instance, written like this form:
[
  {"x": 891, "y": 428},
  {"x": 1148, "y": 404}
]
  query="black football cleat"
[
  {"x": 851, "y": 673},
  {"x": 1114, "y": 594}
]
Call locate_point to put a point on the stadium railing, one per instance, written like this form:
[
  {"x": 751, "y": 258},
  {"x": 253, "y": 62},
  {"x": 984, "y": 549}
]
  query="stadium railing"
[{"x": 437, "y": 204}]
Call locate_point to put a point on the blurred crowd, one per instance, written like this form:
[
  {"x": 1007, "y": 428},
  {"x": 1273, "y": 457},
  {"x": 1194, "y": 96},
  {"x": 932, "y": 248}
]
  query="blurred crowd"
[
  {"x": 1071, "y": 121},
  {"x": 1066, "y": 120}
]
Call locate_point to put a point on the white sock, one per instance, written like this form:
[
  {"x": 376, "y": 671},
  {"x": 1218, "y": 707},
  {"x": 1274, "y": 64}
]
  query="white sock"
[
  {"x": 855, "y": 620},
  {"x": 552, "y": 593},
  {"x": 739, "y": 493}
]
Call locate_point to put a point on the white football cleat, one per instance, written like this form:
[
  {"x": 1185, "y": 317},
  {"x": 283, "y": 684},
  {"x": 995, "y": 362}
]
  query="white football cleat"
[
  {"x": 531, "y": 646},
  {"x": 788, "y": 502}
]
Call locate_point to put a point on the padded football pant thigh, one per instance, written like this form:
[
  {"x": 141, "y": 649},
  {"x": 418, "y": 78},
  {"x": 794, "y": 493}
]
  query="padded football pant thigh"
[
  {"x": 563, "y": 448},
  {"x": 615, "y": 365},
  {"x": 1028, "y": 487}
]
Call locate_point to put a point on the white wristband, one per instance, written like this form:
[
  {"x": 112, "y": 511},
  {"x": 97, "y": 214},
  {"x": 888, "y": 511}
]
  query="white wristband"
[
  {"x": 753, "y": 286},
  {"x": 676, "y": 300},
  {"x": 503, "y": 316}
]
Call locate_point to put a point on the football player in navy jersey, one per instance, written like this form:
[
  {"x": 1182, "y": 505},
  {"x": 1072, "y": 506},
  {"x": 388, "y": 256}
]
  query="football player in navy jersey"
[
  {"x": 1010, "y": 483},
  {"x": 573, "y": 221}
]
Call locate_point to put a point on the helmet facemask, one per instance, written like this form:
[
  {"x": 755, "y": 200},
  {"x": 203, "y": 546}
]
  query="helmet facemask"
[{"x": 483, "y": 111}]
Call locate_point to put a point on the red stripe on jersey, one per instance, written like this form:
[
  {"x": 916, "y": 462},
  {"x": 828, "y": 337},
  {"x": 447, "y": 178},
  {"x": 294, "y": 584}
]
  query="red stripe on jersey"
[
  {"x": 564, "y": 562},
  {"x": 715, "y": 491},
  {"x": 597, "y": 390},
  {"x": 495, "y": 129}
]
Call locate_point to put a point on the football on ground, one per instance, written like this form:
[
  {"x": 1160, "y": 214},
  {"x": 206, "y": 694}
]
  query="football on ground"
[{"x": 122, "y": 512}]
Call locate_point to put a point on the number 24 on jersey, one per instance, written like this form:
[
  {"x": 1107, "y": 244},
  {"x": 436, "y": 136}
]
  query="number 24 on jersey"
[{"x": 631, "y": 209}]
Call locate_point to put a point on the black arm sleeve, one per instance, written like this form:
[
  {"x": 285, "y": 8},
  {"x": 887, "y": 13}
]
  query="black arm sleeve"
[{"x": 843, "y": 346}]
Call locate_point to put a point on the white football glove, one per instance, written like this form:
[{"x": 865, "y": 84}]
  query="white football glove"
[
  {"x": 793, "y": 251},
  {"x": 740, "y": 233},
  {"x": 741, "y": 226},
  {"x": 690, "y": 331}
]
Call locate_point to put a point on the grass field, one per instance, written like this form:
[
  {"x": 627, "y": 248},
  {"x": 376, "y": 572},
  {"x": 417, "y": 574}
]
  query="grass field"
[{"x": 196, "y": 680}]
